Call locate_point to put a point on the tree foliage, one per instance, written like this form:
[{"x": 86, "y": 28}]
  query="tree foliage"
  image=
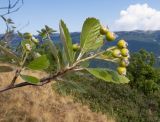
[{"x": 142, "y": 73}]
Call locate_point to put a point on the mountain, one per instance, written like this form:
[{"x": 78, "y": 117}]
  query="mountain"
[{"x": 149, "y": 40}]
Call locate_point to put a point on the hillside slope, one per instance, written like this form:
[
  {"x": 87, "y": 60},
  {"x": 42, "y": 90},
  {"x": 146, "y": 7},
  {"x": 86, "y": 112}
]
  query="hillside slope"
[{"x": 41, "y": 104}]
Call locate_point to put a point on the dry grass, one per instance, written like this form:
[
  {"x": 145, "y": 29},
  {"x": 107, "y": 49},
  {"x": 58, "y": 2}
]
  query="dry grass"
[{"x": 41, "y": 104}]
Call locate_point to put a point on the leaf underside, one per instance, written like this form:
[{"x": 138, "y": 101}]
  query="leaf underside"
[
  {"x": 39, "y": 63},
  {"x": 108, "y": 75},
  {"x": 67, "y": 42}
]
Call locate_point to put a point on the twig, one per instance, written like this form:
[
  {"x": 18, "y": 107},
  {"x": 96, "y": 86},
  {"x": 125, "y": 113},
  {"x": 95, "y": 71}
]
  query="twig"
[
  {"x": 12, "y": 7},
  {"x": 15, "y": 77}
]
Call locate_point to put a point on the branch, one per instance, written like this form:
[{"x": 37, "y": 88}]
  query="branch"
[
  {"x": 54, "y": 76},
  {"x": 15, "y": 77},
  {"x": 12, "y": 7},
  {"x": 89, "y": 58},
  {"x": 43, "y": 81}
]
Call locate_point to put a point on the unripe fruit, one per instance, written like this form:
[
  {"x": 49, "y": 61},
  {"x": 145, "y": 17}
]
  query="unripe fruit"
[
  {"x": 28, "y": 47},
  {"x": 37, "y": 55},
  {"x": 116, "y": 53},
  {"x": 121, "y": 70},
  {"x": 27, "y": 35},
  {"x": 128, "y": 56},
  {"x": 124, "y": 52},
  {"x": 122, "y": 43},
  {"x": 124, "y": 62},
  {"x": 75, "y": 47},
  {"x": 103, "y": 30},
  {"x": 110, "y": 36},
  {"x": 36, "y": 41}
]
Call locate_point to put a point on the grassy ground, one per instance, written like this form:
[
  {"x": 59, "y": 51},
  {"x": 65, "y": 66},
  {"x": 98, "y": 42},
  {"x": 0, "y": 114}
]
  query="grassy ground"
[
  {"x": 5, "y": 69},
  {"x": 42, "y": 104}
]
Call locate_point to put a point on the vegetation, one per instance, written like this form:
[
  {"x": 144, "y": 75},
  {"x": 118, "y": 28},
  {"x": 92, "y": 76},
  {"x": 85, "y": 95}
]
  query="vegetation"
[
  {"x": 31, "y": 54},
  {"x": 128, "y": 102},
  {"x": 142, "y": 73},
  {"x": 68, "y": 63},
  {"x": 137, "y": 101}
]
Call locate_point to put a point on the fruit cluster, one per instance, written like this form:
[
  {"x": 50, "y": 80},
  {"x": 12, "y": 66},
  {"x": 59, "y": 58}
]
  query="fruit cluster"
[
  {"x": 110, "y": 36},
  {"x": 121, "y": 52},
  {"x": 31, "y": 40}
]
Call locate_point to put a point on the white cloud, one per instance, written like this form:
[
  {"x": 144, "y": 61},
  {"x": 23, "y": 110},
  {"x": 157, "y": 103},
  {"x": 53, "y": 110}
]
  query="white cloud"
[{"x": 138, "y": 17}]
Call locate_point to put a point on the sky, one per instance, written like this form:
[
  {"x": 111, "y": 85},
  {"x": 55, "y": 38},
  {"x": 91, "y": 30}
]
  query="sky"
[{"x": 117, "y": 14}]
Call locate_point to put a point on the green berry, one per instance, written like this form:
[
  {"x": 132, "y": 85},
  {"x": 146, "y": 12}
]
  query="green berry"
[
  {"x": 27, "y": 35},
  {"x": 124, "y": 52},
  {"x": 122, "y": 44},
  {"x": 75, "y": 47},
  {"x": 116, "y": 53},
  {"x": 124, "y": 62},
  {"x": 121, "y": 70},
  {"x": 36, "y": 55},
  {"x": 110, "y": 36},
  {"x": 28, "y": 47},
  {"x": 103, "y": 30},
  {"x": 36, "y": 41}
]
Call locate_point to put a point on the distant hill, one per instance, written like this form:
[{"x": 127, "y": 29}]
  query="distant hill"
[{"x": 149, "y": 40}]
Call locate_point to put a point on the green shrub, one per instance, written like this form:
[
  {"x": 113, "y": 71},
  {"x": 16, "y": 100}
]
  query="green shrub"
[
  {"x": 124, "y": 103},
  {"x": 142, "y": 73}
]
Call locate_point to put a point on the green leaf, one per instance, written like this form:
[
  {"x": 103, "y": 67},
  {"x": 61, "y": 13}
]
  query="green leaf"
[
  {"x": 9, "y": 21},
  {"x": 106, "y": 55},
  {"x": 97, "y": 44},
  {"x": 49, "y": 29},
  {"x": 30, "y": 79},
  {"x": 108, "y": 75},
  {"x": 85, "y": 64},
  {"x": 39, "y": 63},
  {"x": 62, "y": 59},
  {"x": 123, "y": 79},
  {"x": 20, "y": 34},
  {"x": 64, "y": 87},
  {"x": 10, "y": 54},
  {"x": 90, "y": 35},
  {"x": 54, "y": 52},
  {"x": 67, "y": 42}
]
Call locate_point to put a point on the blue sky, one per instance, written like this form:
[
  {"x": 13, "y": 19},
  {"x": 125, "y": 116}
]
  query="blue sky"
[{"x": 36, "y": 13}]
